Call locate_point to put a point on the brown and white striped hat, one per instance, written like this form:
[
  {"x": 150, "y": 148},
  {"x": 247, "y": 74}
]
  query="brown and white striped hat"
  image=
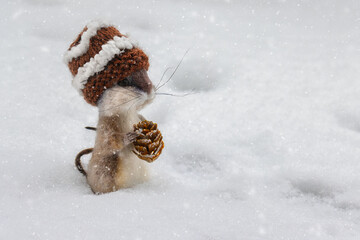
[{"x": 100, "y": 57}]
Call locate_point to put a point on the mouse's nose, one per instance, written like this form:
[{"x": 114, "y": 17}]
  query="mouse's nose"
[{"x": 142, "y": 80}]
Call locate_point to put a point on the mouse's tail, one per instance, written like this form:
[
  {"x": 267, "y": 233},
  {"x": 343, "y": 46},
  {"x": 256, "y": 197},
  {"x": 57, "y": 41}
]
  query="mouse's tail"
[{"x": 78, "y": 159}]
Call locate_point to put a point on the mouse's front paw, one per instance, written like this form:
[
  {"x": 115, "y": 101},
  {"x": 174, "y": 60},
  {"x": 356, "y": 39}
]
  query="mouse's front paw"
[{"x": 130, "y": 137}]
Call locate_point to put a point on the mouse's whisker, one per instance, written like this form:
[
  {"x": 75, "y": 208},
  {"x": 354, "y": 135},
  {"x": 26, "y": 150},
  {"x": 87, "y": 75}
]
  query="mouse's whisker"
[
  {"x": 131, "y": 106},
  {"x": 177, "y": 95},
  {"x": 173, "y": 71},
  {"x": 132, "y": 94},
  {"x": 167, "y": 69},
  {"x": 137, "y": 97}
]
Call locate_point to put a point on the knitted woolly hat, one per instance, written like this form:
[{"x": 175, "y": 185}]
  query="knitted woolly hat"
[{"x": 100, "y": 57}]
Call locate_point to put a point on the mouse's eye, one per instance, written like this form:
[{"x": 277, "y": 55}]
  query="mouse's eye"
[{"x": 126, "y": 82}]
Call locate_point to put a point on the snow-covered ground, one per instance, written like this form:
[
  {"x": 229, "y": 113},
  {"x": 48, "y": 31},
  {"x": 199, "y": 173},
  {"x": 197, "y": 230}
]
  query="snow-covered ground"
[{"x": 268, "y": 147}]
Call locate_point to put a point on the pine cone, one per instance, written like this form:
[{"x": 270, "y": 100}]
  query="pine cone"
[{"x": 149, "y": 144}]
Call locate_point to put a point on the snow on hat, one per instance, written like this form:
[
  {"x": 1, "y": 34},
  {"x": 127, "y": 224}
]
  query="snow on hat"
[{"x": 100, "y": 57}]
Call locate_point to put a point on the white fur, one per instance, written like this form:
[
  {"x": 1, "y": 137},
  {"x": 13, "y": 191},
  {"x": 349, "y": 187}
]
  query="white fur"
[
  {"x": 99, "y": 61},
  {"x": 134, "y": 170},
  {"x": 123, "y": 101}
]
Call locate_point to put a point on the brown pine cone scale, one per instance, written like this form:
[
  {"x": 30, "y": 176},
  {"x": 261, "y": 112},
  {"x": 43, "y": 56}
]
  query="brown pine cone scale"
[{"x": 149, "y": 144}]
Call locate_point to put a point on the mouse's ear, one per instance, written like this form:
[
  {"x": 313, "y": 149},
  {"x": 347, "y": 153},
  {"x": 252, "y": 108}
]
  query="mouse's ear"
[{"x": 100, "y": 57}]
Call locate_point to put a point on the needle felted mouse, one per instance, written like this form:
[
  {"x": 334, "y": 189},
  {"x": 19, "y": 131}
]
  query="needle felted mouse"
[{"x": 110, "y": 71}]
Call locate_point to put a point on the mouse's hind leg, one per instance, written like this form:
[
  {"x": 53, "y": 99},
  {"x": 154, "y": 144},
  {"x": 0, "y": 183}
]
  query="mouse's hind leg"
[{"x": 101, "y": 174}]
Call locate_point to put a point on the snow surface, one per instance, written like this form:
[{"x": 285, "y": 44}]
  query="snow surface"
[{"x": 268, "y": 148}]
